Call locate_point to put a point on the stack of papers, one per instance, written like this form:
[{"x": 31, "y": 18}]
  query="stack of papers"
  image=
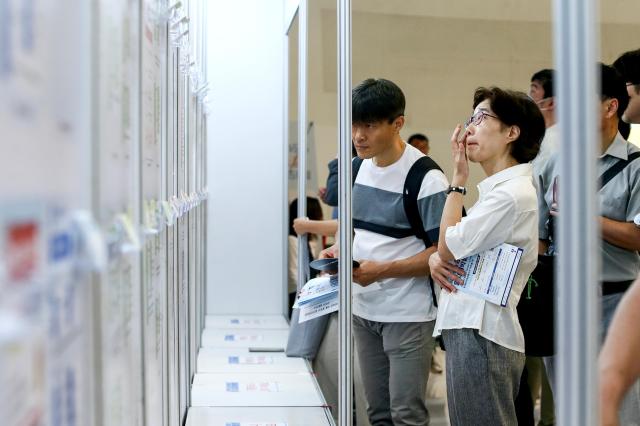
[
  {"x": 489, "y": 275},
  {"x": 318, "y": 297}
]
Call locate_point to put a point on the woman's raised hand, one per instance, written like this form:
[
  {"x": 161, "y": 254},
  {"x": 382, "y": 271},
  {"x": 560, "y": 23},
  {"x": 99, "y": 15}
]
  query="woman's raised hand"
[{"x": 460, "y": 160}]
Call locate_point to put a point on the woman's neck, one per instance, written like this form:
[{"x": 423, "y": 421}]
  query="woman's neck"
[{"x": 498, "y": 164}]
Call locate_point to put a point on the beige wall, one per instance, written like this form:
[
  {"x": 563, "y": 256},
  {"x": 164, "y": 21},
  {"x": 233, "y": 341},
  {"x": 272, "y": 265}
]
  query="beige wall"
[{"x": 438, "y": 52}]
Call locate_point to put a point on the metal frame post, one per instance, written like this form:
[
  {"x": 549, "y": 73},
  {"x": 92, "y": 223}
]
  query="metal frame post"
[
  {"x": 575, "y": 39},
  {"x": 303, "y": 21},
  {"x": 345, "y": 413}
]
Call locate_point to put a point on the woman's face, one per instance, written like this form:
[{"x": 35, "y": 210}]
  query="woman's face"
[{"x": 487, "y": 137}]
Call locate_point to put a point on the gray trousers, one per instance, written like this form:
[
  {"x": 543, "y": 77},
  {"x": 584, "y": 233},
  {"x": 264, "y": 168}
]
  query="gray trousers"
[
  {"x": 325, "y": 367},
  {"x": 483, "y": 379},
  {"x": 394, "y": 363}
]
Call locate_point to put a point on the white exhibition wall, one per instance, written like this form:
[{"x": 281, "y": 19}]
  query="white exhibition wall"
[{"x": 245, "y": 157}]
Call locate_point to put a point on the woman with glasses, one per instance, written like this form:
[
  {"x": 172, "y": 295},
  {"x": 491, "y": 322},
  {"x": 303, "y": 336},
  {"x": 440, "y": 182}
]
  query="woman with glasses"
[{"x": 484, "y": 341}]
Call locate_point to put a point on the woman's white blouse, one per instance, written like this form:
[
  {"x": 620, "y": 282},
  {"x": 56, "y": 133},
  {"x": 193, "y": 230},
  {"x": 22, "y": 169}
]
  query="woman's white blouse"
[{"x": 506, "y": 212}]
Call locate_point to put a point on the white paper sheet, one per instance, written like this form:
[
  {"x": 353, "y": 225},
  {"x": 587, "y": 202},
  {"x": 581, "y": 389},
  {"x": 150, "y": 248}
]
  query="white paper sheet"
[
  {"x": 246, "y": 321},
  {"x": 315, "y": 310},
  {"x": 258, "y": 390},
  {"x": 239, "y": 361},
  {"x": 257, "y": 416},
  {"x": 244, "y": 338}
]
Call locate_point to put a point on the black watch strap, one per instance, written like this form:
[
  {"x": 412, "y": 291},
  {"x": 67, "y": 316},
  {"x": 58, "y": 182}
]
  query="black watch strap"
[{"x": 461, "y": 189}]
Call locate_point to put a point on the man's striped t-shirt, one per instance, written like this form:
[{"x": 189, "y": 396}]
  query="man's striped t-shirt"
[{"x": 383, "y": 233}]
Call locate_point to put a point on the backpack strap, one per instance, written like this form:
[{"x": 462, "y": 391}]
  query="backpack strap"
[
  {"x": 356, "y": 162},
  {"x": 410, "y": 192},
  {"x": 613, "y": 171}
]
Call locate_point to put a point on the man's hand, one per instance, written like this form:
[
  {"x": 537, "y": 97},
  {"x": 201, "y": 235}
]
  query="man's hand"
[
  {"x": 442, "y": 272},
  {"x": 368, "y": 272},
  {"x": 330, "y": 252},
  {"x": 322, "y": 193}
]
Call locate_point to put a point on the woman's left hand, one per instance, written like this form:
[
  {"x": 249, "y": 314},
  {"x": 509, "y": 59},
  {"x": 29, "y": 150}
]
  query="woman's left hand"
[
  {"x": 460, "y": 160},
  {"x": 444, "y": 272}
]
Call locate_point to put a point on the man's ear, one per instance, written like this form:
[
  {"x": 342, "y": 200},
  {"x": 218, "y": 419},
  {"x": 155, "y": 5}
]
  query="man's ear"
[
  {"x": 398, "y": 123},
  {"x": 612, "y": 109}
]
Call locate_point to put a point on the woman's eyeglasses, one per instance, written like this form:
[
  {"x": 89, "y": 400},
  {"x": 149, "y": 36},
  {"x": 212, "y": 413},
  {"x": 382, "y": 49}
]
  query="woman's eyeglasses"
[{"x": 477, "y": 118}]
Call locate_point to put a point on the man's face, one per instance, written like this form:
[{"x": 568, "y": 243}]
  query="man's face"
[
  {"x": 632, "y": 113},
  {"x": 371, "y": 139},
  {"x": 422, "y": 145},
  {"x": 536, "y": 92}
]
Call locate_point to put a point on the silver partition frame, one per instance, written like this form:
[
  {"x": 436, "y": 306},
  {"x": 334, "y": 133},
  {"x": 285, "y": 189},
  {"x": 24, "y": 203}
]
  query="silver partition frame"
[
  {"x": 285, "y": 155},
  {"x": 575, "y": 39},
  {"x": 345, "y": 376},
  {"x": 303, "y": 21}
]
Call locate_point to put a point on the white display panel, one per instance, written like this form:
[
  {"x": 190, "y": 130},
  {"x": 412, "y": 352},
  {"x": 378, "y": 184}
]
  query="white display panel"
[
  {"x": 244, "y": 338},
  {"x": 117, "y": 209},
  {"x": 182, "y": 244},
  {"x": 243, "y": 361},
  {"x": 173, "y": 359},
  {"x": 192, "y": 82},
  {"x": 246, "y": 321},
  {"x": 257, "y": 416},
  {"x": 44, "y": 107},
  {"x": 255, "y": 390},
  {"x": 44, "y": 116},
  {"x": 154, "y": 256},
  {"x": 22, "y": 395}
]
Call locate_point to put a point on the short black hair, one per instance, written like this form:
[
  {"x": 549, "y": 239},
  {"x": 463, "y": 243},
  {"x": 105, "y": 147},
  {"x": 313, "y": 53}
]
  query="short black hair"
[
  {"x": 417, "y": 136},
  {"x": 628, "y": 65},
  {"x": 624, "y": 128},
  {"x": 516, "y": 109},
  {"x": 612, "y": 86},
  {"x": 376, "y": 100},
  {"x": 545, "y": 78}
]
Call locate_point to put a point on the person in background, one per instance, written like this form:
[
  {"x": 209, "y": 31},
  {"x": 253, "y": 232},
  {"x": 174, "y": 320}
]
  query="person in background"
[
  {"x": 619, "y": 204},
  {"x": 329, "y": 194},
  {"x": 619, "y": 369},
  {"x": 484, "y": 341},
  {"x": 419, "y": 141},
  {"x": 628, "y": 65},
  {"x": 313, "y": 211},
  {"x": 535, "y": 376}
]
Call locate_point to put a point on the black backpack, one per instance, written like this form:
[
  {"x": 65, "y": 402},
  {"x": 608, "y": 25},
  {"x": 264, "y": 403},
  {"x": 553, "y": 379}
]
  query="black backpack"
[{"x": 412, "y": 184}]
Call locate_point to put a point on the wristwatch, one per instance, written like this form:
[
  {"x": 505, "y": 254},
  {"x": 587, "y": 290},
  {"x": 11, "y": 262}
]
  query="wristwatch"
[
  {"x": 461, "y": 189},
  {"x": 636, "y": 220}
]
